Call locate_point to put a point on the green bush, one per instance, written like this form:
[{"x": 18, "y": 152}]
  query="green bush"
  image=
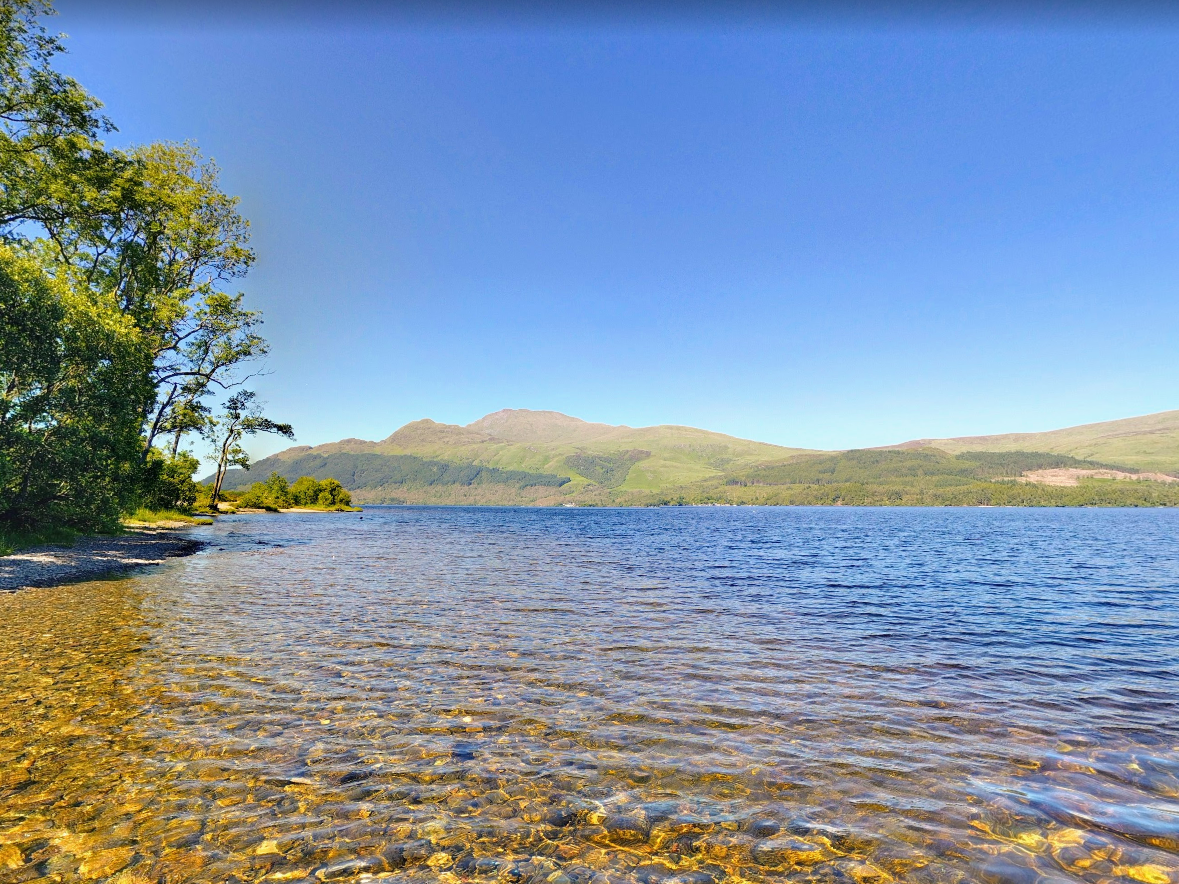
[
  {"x": 273, "y": 494},
  {"x": 168, "y": 482},
  {"x": 332, "y": 494},
  {"x": 328, "y": 494},
  {"x": 305, "y": 491}
]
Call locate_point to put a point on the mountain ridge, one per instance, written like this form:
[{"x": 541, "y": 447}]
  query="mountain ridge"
[
  {"x": 519, "y": 456},
  {"x": 1149, "y": 441}
]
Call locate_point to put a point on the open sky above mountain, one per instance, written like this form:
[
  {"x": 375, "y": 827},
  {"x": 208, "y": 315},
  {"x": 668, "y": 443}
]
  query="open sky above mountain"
[{"x": 815, "y": 231}]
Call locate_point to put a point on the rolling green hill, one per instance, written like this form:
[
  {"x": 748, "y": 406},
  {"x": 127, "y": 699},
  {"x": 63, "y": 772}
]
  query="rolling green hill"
[
  {"x": 521, "y": 457},
  {"x": 522, "y": 454},
  {"x": 1150, "y": 442}
]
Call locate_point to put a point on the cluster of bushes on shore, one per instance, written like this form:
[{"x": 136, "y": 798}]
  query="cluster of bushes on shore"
[
  {"x": 118, "y": 320},
  {"x": 306, "y": 492}
]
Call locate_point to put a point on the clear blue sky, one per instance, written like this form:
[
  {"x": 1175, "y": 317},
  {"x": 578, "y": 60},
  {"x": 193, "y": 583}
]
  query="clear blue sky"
[{"x": 826, "y": 232}]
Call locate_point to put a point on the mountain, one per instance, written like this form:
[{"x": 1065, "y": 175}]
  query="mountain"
[
  {"x": 522, "y": 457},
  {"x": 1150, "y": 442}
]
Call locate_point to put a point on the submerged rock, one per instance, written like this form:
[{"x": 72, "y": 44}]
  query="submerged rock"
[
  {"x": 785, "y": 851},
  {"x": 105, "y": 863}
]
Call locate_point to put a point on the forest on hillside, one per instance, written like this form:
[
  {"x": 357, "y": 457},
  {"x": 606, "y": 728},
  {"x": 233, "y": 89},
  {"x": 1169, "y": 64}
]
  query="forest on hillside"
[{"x": 877, "y": 477}]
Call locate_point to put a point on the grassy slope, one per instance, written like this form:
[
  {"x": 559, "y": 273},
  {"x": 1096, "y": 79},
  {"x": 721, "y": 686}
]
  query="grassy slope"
[
  {"x": 1150, "y": 442},
  {"x": 688, "y": 460},
  {"x": 540, "y": 442}
]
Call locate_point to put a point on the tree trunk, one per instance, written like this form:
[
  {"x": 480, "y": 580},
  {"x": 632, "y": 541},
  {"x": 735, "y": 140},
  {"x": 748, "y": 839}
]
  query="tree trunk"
[
  {"x": 155, "y": 425},
  {"x": 222, "y": 463}
]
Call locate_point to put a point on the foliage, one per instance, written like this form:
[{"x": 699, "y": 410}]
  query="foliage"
[
  {"x": 115, "y": 320},
  {"x": 275, "y": 494},
  {"x": 1096, "y": 492},
  {"x": 242, "y": 417},
  {"x": 73, "y": 385},
  {"x": 12, "y": 540},
  {"x": 363, "y": 471},
  {"x": 151, "y": 516},
  {"x": 608, "y": 470},
  {"x": 328, "y": 494},
  {"x": 204, "y": 501},
  {"x": 890, "y": 465},
  {"x": 305, "y": 491},
  {"x": 167, "y": 481},
  {"x": 921, "y": 477},
  {"x": 332, "y": 495}
]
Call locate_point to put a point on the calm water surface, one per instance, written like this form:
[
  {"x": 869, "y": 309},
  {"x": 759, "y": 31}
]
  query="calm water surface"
[{"x": 675, "y": 695}]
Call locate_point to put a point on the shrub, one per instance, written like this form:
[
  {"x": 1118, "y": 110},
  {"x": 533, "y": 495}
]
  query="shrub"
[
  {"x": 305, "y": 491},
  {"x": 333, "y": 494},
  {"x": 168, "y": 482}
]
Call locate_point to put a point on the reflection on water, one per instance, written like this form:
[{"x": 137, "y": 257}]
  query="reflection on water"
[{"x": 607, "y": 696}]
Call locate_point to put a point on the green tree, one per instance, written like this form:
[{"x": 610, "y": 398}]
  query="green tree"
[
  {"x": 242, "y": 417},
  {"x": 278, "y": 490},
  {"x": 305, "y": 491},
  {"x": 168, "y": 480},
  {"x": 118, "y": 320},
  {"x": 333, "y": 494},
  {"x": 72, "y": 388}
]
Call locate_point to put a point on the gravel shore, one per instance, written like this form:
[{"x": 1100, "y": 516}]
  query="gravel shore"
[{"x": 93, "y": 557}]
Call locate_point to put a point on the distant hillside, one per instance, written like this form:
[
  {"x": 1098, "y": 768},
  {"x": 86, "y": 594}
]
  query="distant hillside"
[
  {"x": 517, "y": 448},
  {"x": 1150, "y": 442},
  {"x": 521, "y": 457}
]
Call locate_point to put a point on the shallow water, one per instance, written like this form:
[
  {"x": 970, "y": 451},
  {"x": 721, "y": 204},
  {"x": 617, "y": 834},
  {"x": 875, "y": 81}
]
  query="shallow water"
[{"x": 686, "y": 695}]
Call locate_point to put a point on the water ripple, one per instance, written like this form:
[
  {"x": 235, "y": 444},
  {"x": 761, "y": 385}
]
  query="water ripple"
[{"x": 695, "y": 695}]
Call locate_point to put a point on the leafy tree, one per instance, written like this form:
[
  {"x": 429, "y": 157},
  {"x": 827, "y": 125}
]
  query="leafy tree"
[
  {"x": 332, "y": 494},
  {"x": 273, "y": 494},
  {"x": 72, "y": 388},
  {"x": 278, "y": 490},
  {"x": 305, "y": 491},
  {"x": 168, "y": 482},
  {"x": 242, "y": 417},
  {"x": 117, "y": 320},
  {"x": 52, "y": 163}
]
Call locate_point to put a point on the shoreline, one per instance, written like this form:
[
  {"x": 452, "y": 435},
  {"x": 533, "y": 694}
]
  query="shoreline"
[{"x": 93, "y": 557}]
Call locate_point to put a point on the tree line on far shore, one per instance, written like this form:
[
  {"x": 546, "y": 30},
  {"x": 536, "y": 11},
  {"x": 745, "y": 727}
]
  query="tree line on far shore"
[
  {"x": 120, "y": 328},
  {"x": 306, "y": 492}
]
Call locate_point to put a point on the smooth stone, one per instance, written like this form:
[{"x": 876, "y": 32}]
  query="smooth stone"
[
  {"x": 350, "y": 868},
  {"x": 784, "y": 851},
  {"x": 562, "y": 817},
  {"x": 398, "y": 855},
  {"x": 653, "y": 873},
  {"x": 764, "y": 828},
  {"x": 693, "y": 877},
  {"x": 1004, "y": 871},
  {"x": 626, "y": 829},
  {"x": 844, "y": 839},
  {"x": 106, "y": 862},
  {"x": 463, "y": 752}
]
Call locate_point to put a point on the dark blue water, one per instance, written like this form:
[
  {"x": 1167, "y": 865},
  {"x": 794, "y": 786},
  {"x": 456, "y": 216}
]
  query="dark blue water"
[{"x": 695, "y": 694}]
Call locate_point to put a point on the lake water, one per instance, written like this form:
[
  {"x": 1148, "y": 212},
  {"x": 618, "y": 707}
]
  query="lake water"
[{"x": 671, "y": 695}]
